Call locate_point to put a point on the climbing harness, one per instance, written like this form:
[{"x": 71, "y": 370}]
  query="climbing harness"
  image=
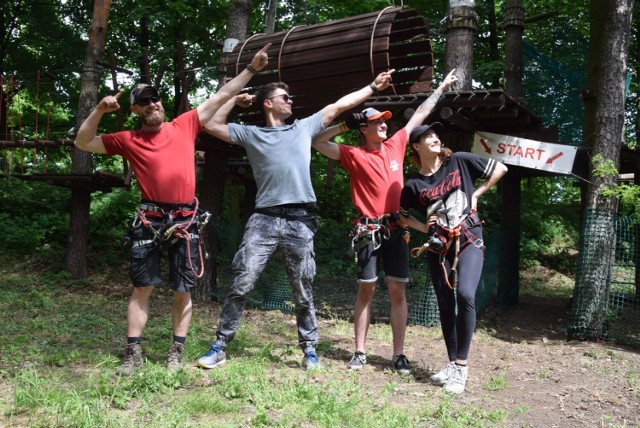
[
  {"x": 441, "y": 240},
  {"x": 175, "y": 224},
  {"x": 368, "y": 231}
]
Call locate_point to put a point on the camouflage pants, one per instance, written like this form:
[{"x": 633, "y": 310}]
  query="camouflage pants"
[{"x": 263, "y": 235}]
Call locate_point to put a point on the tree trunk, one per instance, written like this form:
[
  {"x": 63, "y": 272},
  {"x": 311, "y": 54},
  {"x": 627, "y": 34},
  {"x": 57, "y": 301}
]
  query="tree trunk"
[
  {"x": 76, "y": 262},
  {"x": 509, "y": 271},
  {"x": 461, "y": 21},
  {"x": 514, "y": 29},
  {"x": 211, "y": 195},
  {"x": 597, "y": 248},
  {"x": 494, "y": 50},
  {"x": 270, "y": 18}
]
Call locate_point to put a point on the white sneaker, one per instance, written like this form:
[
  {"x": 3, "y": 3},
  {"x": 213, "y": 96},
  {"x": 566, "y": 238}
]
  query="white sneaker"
[
  {"x": 457, "y": 380},
  {"x": 443, "y": 375}
]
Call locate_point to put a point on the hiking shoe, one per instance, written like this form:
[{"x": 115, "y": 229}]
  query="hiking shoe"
[
  {"x": 132, "y": 359},
  {"x": 310, "y": 360},
  {"x": 401, "y": 364},
  {"x": 214, "y": 357},
  {"x": 457, "y": 380},
  {"x": 358, "y": 361},
  {"x": 443, "y": 375},
  {"x": 174, "y": 356}
]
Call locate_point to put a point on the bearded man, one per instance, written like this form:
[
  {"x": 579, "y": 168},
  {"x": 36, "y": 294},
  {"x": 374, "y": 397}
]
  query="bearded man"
[{"x": 162, "y": 155}]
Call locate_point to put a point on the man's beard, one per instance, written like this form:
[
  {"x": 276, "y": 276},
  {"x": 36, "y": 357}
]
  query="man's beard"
[{"x": 152, "y": 119}]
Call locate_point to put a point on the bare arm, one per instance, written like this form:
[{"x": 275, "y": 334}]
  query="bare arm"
[
  {"x": 425, "y": 109},
  {"x": 207, "y": 109},
  {"x": 330, "y": 112},
  {"x": 217, "y": 126},
  {"x": 328, "y": 148},
  {"x": 498, "y": 172},
  {"x": 87, "y": 138},
  {"x": 414, "y": 223}
]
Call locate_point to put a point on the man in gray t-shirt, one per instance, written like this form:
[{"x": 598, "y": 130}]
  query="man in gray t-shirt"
[{"x": 280, "y": 155}]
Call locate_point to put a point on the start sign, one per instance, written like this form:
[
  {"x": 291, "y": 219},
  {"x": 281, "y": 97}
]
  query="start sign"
[{"x": 526, "y": 153}]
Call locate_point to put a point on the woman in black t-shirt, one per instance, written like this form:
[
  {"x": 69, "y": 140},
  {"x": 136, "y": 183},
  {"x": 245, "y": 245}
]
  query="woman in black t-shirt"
[{"x": 443, "y": 192}]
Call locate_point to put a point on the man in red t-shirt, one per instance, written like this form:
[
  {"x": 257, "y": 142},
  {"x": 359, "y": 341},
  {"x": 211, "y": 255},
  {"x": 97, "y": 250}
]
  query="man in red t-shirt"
[
  {"x": 376, "y": 173},
  {"x": 162, "y": 157}
]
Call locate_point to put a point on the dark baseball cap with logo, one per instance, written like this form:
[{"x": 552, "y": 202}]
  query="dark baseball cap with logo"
[
  {"x": 140, "y": 90},
  {"x": 415, "y": 135}
]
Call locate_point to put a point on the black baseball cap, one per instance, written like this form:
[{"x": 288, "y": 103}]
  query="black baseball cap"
[
  {"x": 136, "y": 93},
  {"x": 417, "y": 132}
]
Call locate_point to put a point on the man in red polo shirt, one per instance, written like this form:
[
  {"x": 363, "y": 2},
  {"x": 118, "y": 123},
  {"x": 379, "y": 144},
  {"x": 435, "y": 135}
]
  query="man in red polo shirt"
[
  {"x": 376, "y": 173},
  {"x": 162, "y": 157}
]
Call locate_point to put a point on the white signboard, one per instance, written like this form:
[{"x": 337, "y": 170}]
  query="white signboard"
[{"x": 526, "y": 153}]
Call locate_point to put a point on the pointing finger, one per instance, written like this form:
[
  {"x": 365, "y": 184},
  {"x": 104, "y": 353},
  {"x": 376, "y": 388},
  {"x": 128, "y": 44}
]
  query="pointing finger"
[
  {"x": 118, "y": 95},
  {"x": 265, "y": 48}
]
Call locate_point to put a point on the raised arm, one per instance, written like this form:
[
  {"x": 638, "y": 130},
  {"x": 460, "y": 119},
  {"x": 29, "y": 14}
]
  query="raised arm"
[
  {"x": 429, "y": 104},
  {"x": 207, "y": 109},
  {"x": 217, "y": 126},
  {"x": 498, "y": 172},
  {"x": 322, "y": 144},
  {"x": 330, "y": 112},
  {"x": 87, "y": 138}
]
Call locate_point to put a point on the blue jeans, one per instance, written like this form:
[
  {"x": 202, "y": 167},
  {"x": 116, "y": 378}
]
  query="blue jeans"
[{"x": 263, "y": 235}]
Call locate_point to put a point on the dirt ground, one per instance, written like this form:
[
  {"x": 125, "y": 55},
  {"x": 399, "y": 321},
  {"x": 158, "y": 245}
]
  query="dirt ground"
[{"x": 549, "y": 382}]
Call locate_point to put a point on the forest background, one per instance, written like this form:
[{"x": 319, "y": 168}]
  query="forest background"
[{"x": 41, "y": 59}]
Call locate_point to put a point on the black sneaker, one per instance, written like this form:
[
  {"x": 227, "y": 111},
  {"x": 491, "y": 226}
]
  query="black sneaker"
[
  {"x": 132, "y": 360},
  {"x": 358, "y": 361},
  {"x": 174, "y": 356},
  {"x": 401, "y": 364}
]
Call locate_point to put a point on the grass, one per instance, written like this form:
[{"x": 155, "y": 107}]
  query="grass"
[{"x": 62, "y": 341}]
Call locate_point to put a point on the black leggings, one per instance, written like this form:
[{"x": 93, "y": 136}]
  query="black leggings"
[{"x": 458, "y": 329}]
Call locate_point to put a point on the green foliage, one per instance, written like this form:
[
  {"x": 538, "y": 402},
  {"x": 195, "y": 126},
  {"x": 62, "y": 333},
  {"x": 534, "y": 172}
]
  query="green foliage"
[
  {"x": 35, "y": 216},
  {"x": 550, "y": 223},
  {"x": 627, "y": 195},
  {"x": 109, "y": 220}
]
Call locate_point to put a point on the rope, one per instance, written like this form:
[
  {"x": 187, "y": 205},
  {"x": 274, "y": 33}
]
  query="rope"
[
  {"x": 177, "y": 231},
  {"x": 453, "y": 236}
]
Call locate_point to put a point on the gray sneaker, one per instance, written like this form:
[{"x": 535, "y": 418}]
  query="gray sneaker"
[
  {"x": 132, "y": 360},
  {"x": 310, "y": 360},
  {"x": 174, "y": 356},
  {"x": 213, "y": 358},
  {"x": 443, "y": 375},
  {"x": 457, "y": 380},
  {"x": 358, "y": 361},
  {"x": 401, "y": 364}
]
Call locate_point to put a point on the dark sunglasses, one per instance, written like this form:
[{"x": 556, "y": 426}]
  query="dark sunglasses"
[
  {"x": 285, "y": 97},
  {"x": 145, "y": 101}
]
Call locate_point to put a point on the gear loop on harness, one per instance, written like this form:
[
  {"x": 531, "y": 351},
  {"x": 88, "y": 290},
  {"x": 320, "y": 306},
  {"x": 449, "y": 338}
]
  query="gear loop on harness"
[
  {"x": 451, "y": 236},
  {"x": 175, "y": 222},
  {"x": 371, "y": 231}
]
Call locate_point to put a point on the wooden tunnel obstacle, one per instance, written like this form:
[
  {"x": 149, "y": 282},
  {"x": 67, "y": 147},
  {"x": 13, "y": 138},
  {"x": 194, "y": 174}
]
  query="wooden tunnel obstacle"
[{"x": 324, "y": 62}]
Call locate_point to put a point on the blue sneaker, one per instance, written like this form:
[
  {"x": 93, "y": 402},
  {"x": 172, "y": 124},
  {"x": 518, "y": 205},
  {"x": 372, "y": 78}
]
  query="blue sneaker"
[
  {"x": 310, "y": 360},
  {"x": 214, "y": 357}
]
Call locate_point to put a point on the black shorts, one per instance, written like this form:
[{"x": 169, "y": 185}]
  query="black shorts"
[
  {"x": 395, "y": 259},
  {"x": 145, "y": 256}
]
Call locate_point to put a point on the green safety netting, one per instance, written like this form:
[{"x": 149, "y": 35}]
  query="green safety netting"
[
  {"x": 335, "y": 284},
  {"x": 606, "y": 298}
]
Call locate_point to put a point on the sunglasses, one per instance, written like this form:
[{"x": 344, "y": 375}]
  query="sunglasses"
[
  {"x": 147, "y": 100},
  {"x": 285, "y": 97}
]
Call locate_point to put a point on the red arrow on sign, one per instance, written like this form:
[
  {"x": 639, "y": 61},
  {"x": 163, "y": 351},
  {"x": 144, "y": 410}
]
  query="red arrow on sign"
[
  {"x": 554, "y": 157},
  {"x": 487, "y": 148}
]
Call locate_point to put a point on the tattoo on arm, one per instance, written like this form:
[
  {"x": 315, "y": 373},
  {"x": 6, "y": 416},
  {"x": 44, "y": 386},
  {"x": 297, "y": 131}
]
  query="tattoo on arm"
[{"x": 431, "y": 102}]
